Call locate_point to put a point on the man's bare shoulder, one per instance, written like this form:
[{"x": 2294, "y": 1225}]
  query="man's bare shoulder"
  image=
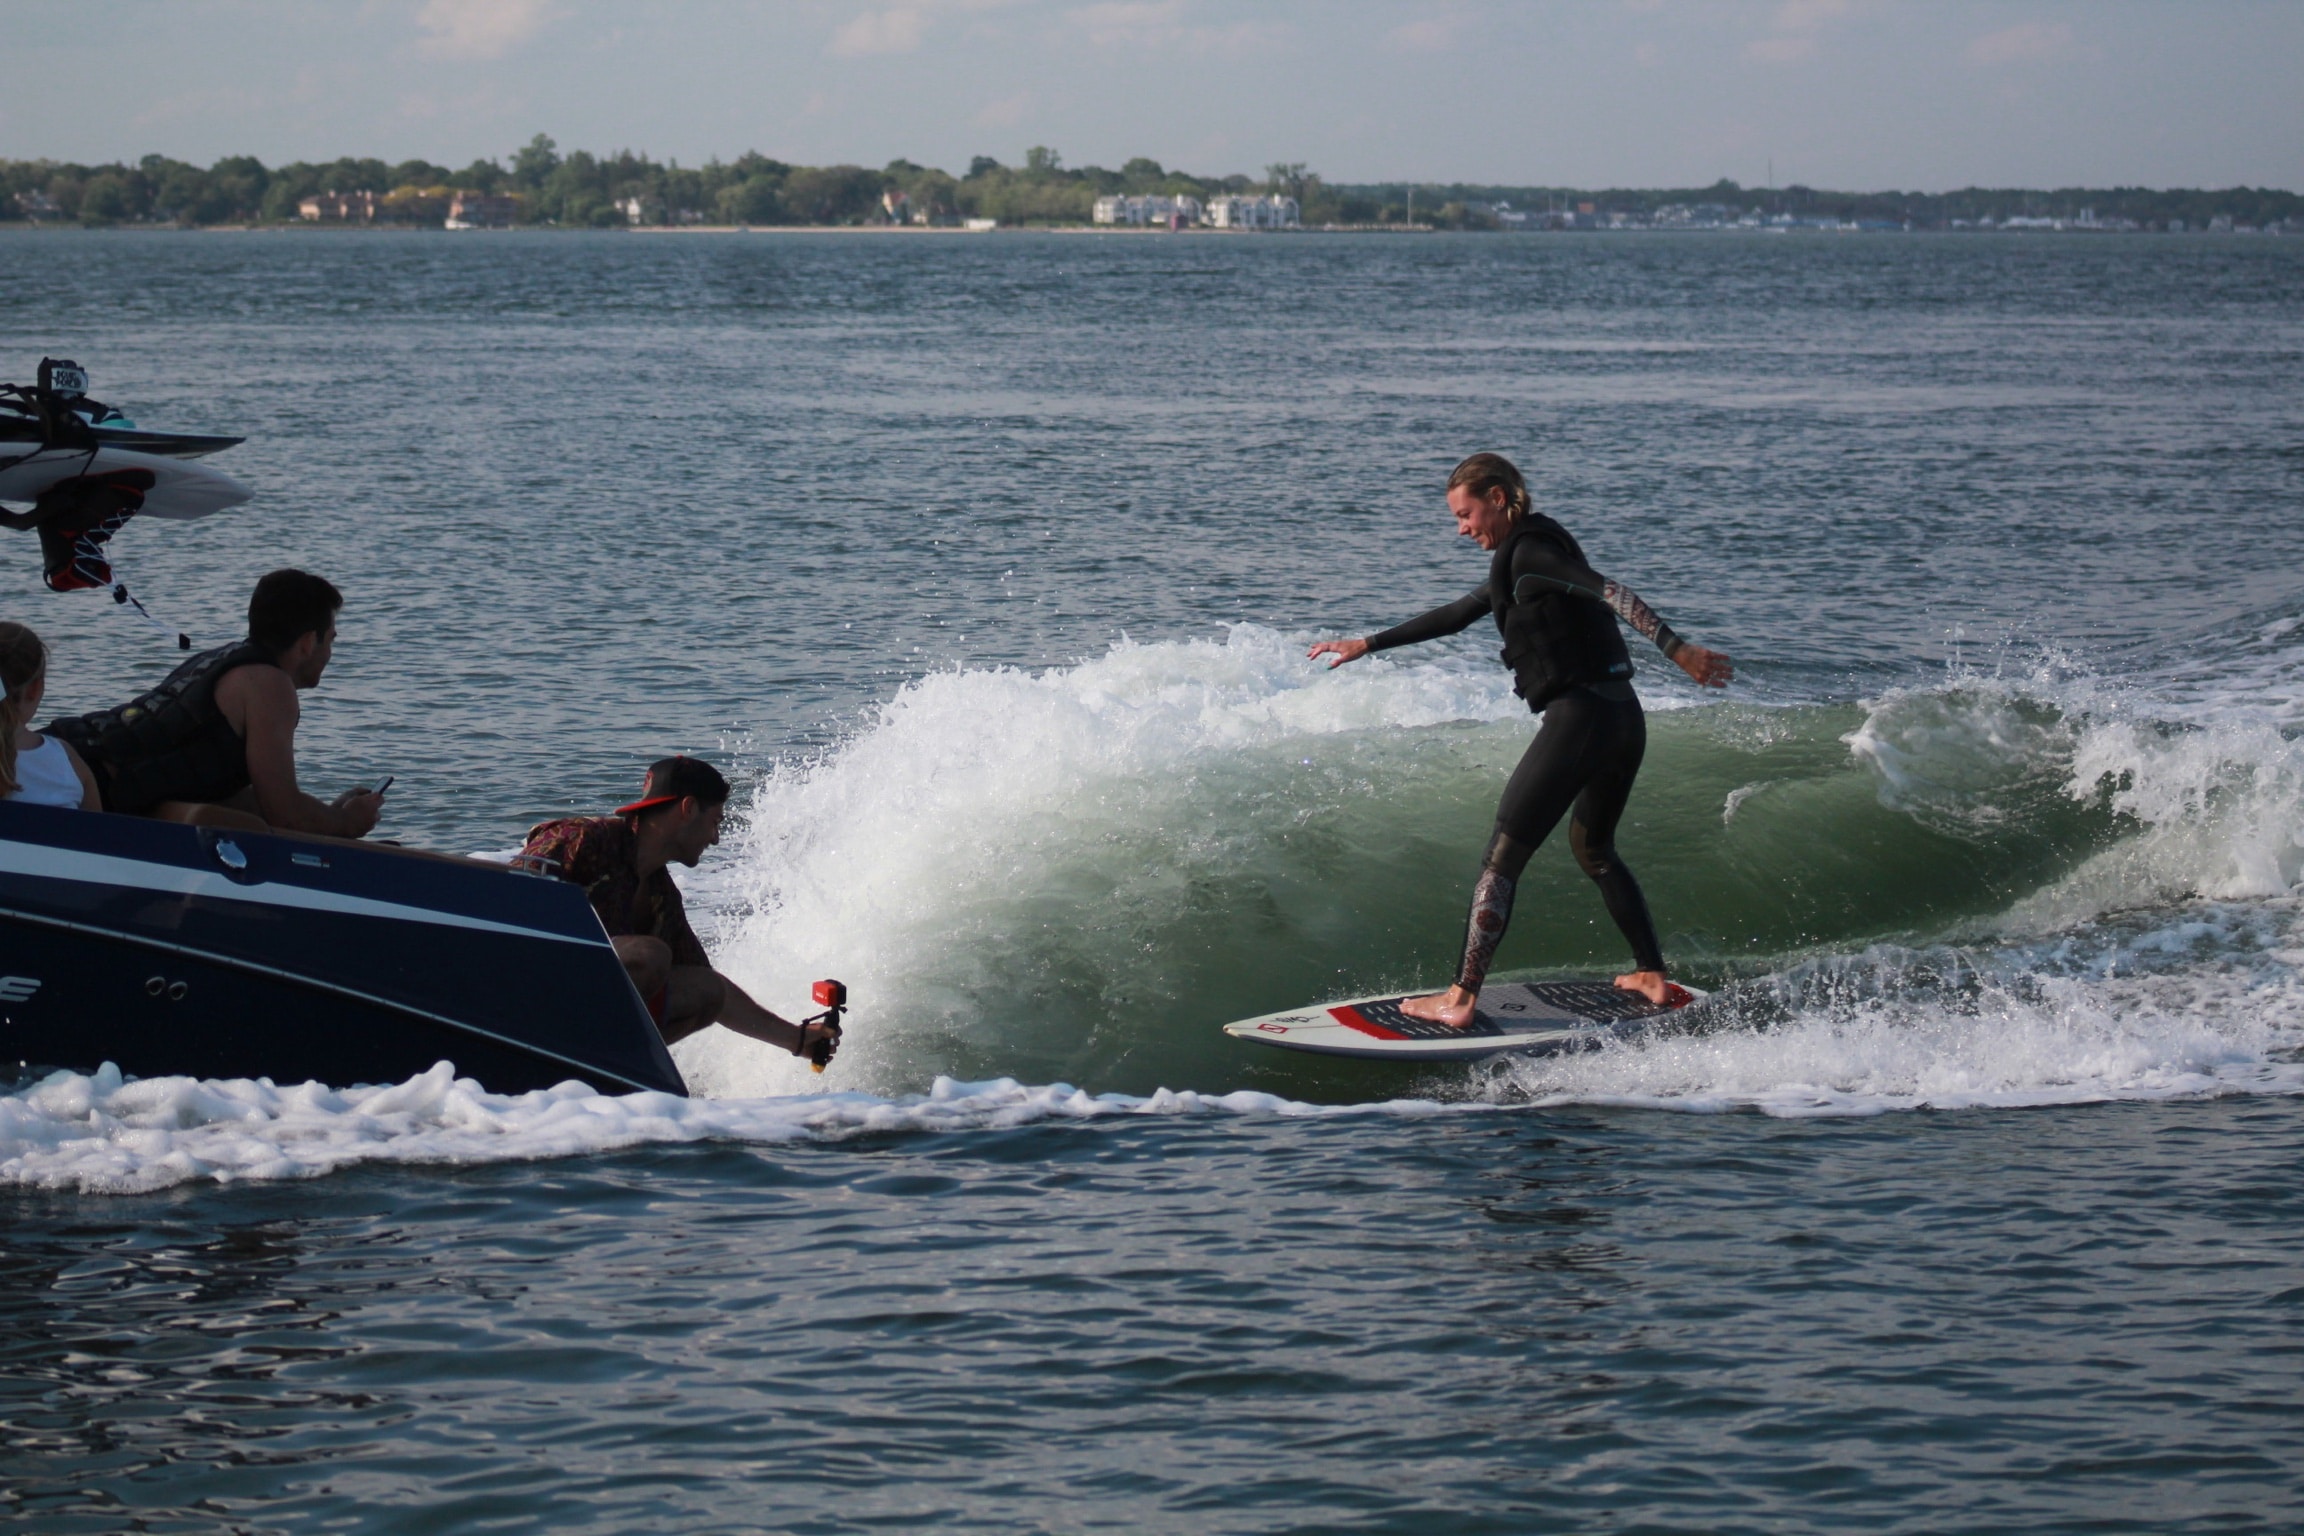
[
  {"x": 256, "y": 680},
  {"x": 257, "y": 687}
]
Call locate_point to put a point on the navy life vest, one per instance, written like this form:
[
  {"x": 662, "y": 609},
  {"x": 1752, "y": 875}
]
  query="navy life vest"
[
  {"x": 172, "y": 743},
  {"x": 1554, "y": 640}
]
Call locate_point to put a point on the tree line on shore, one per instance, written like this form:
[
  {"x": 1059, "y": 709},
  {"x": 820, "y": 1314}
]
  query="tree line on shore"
[{"x": 584, "y": 190}]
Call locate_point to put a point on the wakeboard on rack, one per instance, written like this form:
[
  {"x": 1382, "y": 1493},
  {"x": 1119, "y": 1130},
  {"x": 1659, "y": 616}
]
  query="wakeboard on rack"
[
  {"x": 1536, "y": 1018},
  {"x": 87, "y": 470}
]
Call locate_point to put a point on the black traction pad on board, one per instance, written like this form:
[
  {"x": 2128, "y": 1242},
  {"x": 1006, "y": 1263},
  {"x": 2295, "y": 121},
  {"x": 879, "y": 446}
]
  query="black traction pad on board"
[{"x": 1518, "y": 1008}]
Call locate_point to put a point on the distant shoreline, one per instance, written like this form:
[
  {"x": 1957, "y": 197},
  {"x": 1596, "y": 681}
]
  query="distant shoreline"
[
  {"x": 25, "y": 228},
  {"x": 539, "y": 186}
]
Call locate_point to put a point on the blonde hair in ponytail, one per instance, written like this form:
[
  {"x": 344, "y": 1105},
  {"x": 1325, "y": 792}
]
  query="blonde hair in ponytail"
[
  {"x": 23, "y": 658},
  {"x": 1485, "y": 472}
]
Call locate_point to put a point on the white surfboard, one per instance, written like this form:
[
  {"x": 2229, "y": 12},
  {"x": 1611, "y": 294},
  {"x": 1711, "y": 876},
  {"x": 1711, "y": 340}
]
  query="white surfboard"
[
  {"x": 180, "y": 488},
  {"x": 1538, "y": 1018}
]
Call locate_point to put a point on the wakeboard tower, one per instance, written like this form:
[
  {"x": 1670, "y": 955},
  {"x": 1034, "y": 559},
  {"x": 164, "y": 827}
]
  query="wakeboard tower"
[
  {"x": 87, "y": 470},
  {"x": 1538, "y": 1018}
]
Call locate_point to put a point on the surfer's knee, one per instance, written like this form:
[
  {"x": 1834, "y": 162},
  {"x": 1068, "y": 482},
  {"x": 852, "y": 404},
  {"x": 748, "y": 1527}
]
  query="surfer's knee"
[
  {"x": 1597, "y": 859},
  {"x": 1507, "y": 855}
]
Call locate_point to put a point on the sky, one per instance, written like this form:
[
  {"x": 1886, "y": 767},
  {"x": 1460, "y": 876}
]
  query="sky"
[{"x": 1919, "y": 95}]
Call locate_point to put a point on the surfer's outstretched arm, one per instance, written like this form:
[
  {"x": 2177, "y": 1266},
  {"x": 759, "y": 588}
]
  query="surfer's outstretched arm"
[{"x": 1447, "y": 619}]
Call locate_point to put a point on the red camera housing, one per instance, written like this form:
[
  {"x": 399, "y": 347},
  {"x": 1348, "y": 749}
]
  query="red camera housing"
[{"x": 830, "y": 994}]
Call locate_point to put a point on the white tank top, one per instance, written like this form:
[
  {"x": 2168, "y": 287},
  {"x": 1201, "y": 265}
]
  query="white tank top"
[{"x": 46, "y": 777}]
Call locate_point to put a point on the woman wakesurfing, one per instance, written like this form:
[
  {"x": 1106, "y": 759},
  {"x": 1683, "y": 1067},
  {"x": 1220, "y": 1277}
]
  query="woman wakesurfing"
[{"x": 1558, "y": 618}]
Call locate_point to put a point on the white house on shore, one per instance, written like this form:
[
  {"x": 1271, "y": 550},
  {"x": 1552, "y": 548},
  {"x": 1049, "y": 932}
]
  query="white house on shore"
[
  {"x": 1252, "y": 213},
  {"x": 340, "y": 208},
  {"x": 482, "y": 210},
  {"x": 1146, "y": 210}
]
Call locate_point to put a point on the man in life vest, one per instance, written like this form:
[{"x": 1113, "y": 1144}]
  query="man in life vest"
[
  {"x": 623, "y": 862},
  {"x": 215, "y": 743}
]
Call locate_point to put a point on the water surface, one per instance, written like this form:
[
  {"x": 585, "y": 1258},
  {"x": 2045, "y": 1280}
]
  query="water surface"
[{"x": 987, "y": 566}]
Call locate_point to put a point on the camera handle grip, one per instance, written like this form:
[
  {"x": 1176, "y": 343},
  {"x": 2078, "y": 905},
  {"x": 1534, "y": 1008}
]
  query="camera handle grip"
[{"x": 835, "y": 997}]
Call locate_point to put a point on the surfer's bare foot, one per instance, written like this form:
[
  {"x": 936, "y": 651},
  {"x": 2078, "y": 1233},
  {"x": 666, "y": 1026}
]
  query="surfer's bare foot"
[
  {"x": 1453, "y": 1007},
  {"x": 1649, "y": 984}
]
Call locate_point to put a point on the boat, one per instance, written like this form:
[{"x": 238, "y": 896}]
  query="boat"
[
  {"x": 171, "y": 950},
  {"x": 87, "y": 470}
]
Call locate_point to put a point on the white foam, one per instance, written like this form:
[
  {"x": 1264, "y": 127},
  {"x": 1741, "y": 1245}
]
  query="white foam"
[
  {"x": 2075, "y": 1045},
  {"x": 98, "y": 1134},
  {"x": 1966, "y": 756},
  {"x": 2207, "y": 771},
  {"x": 2140, "y": 1017},
  {"x": 2204, "y": 1001}
]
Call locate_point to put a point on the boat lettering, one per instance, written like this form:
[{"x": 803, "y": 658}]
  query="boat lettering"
[{"x": 16, "y": 989}]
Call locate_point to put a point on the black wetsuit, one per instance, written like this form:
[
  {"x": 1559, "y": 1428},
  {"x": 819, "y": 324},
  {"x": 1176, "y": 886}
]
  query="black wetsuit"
[{"x": 1558, "y": 618}]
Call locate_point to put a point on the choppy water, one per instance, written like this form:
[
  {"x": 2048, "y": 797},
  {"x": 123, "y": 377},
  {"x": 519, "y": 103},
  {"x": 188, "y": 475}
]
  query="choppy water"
[{"x": 989, "y": 564}]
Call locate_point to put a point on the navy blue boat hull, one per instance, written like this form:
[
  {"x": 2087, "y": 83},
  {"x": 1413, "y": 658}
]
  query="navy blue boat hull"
[{"x": 172, "y": 950}]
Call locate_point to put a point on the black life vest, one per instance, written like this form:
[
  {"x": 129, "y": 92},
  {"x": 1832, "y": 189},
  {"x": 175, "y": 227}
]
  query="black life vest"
[
  {"x": 172, "y": 743},
  {"x": 1553, "y": 640}
]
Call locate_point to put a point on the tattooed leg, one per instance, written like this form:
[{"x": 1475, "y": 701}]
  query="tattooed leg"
[
  {"x": 1491, "y": 907},
  {"x": 1491, "y": 915}
]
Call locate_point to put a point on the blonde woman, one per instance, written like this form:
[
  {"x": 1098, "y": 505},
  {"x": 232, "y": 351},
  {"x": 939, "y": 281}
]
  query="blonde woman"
[
  {"x": 1558, "y": 619},
  {"x": 35, "y": 769}
]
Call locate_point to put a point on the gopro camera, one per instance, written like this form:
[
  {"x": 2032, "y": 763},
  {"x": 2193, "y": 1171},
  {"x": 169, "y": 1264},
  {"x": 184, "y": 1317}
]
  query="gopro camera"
[{"x": 65, "y": 380}]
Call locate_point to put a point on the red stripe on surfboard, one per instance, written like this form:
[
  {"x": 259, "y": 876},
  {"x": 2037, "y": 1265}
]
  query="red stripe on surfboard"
[{"x": 1352, "y": 1018}]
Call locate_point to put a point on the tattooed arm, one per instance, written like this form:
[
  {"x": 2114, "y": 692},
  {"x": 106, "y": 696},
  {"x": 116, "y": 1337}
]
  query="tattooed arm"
[{"x": 1538, "y": 565}]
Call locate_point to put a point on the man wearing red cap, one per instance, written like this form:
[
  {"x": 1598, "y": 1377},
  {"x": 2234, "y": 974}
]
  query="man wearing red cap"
[{"x": 623, "y": 862}]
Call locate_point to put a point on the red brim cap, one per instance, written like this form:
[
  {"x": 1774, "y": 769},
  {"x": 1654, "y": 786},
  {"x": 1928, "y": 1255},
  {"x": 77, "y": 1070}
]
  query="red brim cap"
[{"x": 648, "y": 804}]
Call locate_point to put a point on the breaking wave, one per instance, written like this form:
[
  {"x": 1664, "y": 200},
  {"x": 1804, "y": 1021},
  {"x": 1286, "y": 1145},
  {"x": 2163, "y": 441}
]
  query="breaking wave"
[{"x": 1078, "y": 873}]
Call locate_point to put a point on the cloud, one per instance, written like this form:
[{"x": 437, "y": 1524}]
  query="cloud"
[
  {"x": 478, "y": 29},
  {"x": 1780, "y": 50},
  {"x": 897, "y": 30},
  {"x": 1795, "y": 26},
  {"x": 1007, "y": 112},
  {"x": 1130, "y": 15},
  {"x": 1808, "y": 15},
  {"x": 1431, "y": 34},
  {"x": 2030, "y": 42},
  {"x": 193, "y": 106},
  {"x": 1148, "y": 25}
]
